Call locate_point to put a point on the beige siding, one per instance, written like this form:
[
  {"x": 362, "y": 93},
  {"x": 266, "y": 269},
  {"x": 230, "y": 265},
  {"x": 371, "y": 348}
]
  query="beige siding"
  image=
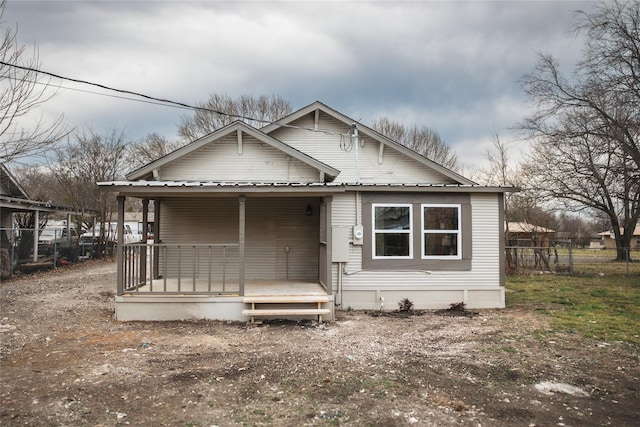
[
  {"x": 344, "y": 215},
  {"x": 486, "y": 235},
  {"x": 199, "y": 221},
  {"x": 343, "y": 210},
  {"x": 395, "y": 168},
  {"x": 272, "y": 224},
  {"x": 220, "y": 161},
  {"x": 443, "y": 286}
]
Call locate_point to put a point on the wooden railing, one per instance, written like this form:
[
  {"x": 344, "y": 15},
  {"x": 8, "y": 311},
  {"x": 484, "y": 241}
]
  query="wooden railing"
[{"x": 182, "y": 268}]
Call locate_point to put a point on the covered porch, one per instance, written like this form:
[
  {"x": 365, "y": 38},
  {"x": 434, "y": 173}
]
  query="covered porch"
[{"x": 228, "y": 257}]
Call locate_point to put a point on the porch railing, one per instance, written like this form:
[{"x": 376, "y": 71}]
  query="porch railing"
[{"x": 205, "y": 268}]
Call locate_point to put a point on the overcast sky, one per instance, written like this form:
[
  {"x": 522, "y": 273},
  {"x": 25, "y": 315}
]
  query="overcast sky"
[{"x": 451, "y": 66}]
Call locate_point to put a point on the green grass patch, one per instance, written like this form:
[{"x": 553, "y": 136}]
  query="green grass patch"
[{"x": 604, "y": 307}]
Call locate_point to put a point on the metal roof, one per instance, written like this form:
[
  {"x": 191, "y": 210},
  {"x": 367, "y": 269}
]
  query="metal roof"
[
  {"x": 216, "y": 186},
  {"x": 26, "y": 205}
]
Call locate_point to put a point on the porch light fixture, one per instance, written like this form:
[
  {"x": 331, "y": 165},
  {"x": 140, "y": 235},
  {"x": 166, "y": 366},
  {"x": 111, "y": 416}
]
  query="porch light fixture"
[{"x": 309, "y": 210}]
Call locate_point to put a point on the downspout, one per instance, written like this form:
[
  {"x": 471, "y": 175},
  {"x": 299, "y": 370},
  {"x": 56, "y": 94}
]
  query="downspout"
[{"x": 338, "y": 301}]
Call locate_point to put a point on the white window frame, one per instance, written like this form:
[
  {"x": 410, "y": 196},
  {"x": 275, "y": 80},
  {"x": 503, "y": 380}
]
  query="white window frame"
[
  {"x": 458, "y": 232},
  {"x": 375, "y": 232}
]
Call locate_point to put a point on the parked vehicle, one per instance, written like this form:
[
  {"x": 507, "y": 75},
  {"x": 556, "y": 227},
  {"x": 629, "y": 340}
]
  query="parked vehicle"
[
  {"x": 56, "y": 239},
  {"x": 90, "y": 240}
]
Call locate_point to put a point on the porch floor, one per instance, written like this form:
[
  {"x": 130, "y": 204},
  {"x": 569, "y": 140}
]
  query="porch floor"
[{"x": 256, "y": 287}]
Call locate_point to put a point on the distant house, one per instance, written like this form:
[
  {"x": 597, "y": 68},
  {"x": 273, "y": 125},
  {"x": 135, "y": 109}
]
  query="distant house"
[
  {"x": 525, "y": 234},
  {"x": 301, "y": 217},
  {"x": 608, "y": 240}
]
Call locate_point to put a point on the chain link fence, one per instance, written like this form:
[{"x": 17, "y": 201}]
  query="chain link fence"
[
  {"x": 54, "y": 247},
  {"x": 563, "y": 258}
]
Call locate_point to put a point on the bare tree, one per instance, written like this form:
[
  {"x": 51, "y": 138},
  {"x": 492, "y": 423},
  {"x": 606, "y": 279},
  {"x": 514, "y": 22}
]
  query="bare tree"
[
  {"x": 422, "y": 140},
  {"x": 221, "y": 110},
  {"x": 586, "y": 127},
  {"x": 92, "y": 158},
  {"x": 151, "y": 148},
  {"x": 39, "y": 183},
  {"x": 501, "y": 172},
  {"x": 22, "y": 91}
]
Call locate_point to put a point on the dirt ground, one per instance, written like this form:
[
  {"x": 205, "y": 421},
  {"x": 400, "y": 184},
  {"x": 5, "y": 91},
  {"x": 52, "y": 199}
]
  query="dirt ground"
[{"x": 66, "y": 361}]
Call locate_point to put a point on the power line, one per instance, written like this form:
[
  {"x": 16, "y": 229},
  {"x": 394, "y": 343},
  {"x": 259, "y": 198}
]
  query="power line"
[
  {"x": 162, "y": 101},
  {"x": 142, "y": 95},
  {"x": 106, "y": 94}
]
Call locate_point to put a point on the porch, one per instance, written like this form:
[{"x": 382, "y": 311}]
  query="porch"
[
  {"x": 202, "y": 281},
  {"x": 227, "y": 256}
]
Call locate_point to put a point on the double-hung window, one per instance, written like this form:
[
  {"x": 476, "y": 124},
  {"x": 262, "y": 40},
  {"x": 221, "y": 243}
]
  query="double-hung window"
[
  {"x": 392, "y": 231},
  {"x": 441, "y": 231}
]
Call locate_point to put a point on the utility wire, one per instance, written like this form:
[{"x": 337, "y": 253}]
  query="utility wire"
[
  {"x": 161, "y": 100},
  {"x": 152, "y": 98},
  {"x": 106, "y": 94}
]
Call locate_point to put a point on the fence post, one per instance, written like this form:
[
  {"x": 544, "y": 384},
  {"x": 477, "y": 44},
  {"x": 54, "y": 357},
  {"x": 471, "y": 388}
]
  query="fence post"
[
  {"x": 628, "y": 251},
  {"x": 55, "y": 248},
  {"x": 570, "y": 257}
]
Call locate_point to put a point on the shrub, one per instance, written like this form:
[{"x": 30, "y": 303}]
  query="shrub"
[
  {"x": 457, "y": 306},
  {"x": 405, "y": 305}
]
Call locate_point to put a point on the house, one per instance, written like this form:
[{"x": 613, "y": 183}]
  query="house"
[
  {"x": 525, "y": 234},
  {"x": 304, "y": 216},
  {"x": 608, "y": 240},
  {"x": 14, "y": 199}
]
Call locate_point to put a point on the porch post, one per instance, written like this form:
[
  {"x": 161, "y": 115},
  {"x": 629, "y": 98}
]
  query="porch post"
[
  {"x": 156, "y": 238},
  {"x": 241, "y": 238},
  {"x": 329, "y": 261},
  {"x": 36, "y": 235},
  {"x": 143, "y": 238},
  {"x": 120, "y": 243}
]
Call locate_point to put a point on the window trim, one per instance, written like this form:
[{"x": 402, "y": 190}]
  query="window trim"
[
  {"x": 424, "y": 232},
  {"x": 417, "y": 263},
  {"x": 374, "y": 231}
]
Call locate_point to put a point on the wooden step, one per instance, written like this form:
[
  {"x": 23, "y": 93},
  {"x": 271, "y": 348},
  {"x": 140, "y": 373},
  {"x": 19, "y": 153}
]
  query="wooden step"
[
  {"x": 283, "y": 312},
  {"x": 287, "y": 312},
  {"x": 285, "y": 299}
]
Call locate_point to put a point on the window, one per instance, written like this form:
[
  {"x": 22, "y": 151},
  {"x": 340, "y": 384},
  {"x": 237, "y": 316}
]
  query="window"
[
  {"x": 392, "y": 231},
  {"x": 417, "y": 232},
  {"x": 441, "y": 233}
]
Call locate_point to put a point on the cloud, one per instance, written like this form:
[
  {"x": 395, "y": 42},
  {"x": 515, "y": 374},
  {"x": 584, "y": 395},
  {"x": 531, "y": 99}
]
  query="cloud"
[{"x": 451, "y": 66}]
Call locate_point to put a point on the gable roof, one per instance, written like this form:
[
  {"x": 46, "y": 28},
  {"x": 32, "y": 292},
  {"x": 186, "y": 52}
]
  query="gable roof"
[
  {"x": 371, "y": 133},
  {"x": 14, "y": 198},
  {"x": 525, "y": 227},
  {"x": 147, "y": 170},
  {"x": 636, "y": 231},
  {"x": 9, "y": 184}
]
